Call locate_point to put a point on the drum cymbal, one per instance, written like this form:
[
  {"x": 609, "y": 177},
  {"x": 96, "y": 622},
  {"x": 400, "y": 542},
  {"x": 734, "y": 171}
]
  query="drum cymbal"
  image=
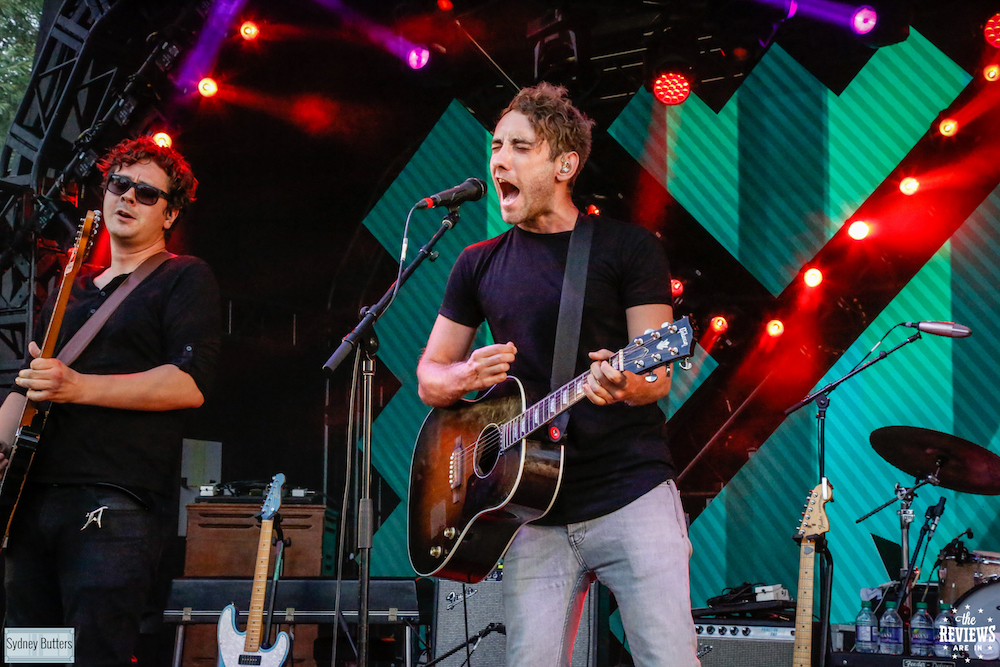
[{"x": 965, "y": 466}]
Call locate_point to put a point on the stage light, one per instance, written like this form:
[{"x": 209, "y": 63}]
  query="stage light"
[
  {"x": 592, "y": 209},
  {"x": 909, "y": 186},
  {"x": 719, "y": 324},
  {"x": 445, "y": 5},
  {"x": 418, "y": 57},
  {"x": 676, "y": 288},
  {"x": 671, "y": 87},
  {"x": 992, "y": 72},
  {"x": 992, "y": 31},
  {"x": 864, "y": 20},
  {"x": 775, "y": 328},
  {"x": 249, "y": 31},
  {"x": 163, "y": 139},
  {"x": 858, "y": 230},
  {"x": 208, "y": 87},
  {"x": 813, "y": 277},
  {"x": 948, "y": 127}
]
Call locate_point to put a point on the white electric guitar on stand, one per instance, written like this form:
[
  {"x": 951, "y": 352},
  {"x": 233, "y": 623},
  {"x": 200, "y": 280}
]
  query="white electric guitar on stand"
[{"x": 243, "y": 648}]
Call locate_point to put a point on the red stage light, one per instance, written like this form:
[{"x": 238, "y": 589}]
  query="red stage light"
[
  {"x": 992, "y": 31},
  {"x": 858, "y": 230},
  {"x": 249, "y": 31},
  {"x": 719, "y": 324},
  {"x": 948, "y": 127},
  {"x": 909, "y": 186},
  {"x": 813, "y": 277},
  {"x": 775, "y": 328},
  {"x": 445, "y": 5},
  {"x": 676, "y": 288},
  {"x": 992, "y": 72},
  {"x": 163, "y": 139},
  {"x": 864, "y": 20},
  {"x": 208, "y": 87},
  {"x": 418, "y": 57},
  {"x": 593, "y": 210},
  {"x": 671, "y": 88}
]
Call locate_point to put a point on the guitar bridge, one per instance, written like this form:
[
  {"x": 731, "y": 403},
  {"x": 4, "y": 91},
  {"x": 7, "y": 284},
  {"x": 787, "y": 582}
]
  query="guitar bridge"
[{"x": 456, "y": 468}]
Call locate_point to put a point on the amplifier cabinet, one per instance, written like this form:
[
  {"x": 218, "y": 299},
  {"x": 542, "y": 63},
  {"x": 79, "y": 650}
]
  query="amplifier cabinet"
[
  {"x": 483, "y": 602},
  {"x": 743, "y": 643}
]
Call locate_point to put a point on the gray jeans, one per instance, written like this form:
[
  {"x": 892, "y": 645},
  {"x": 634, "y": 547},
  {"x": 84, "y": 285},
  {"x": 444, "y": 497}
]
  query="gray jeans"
[{"x": 640, "y": 552}]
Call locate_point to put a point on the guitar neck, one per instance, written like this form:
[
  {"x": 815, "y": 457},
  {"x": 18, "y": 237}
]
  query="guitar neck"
[
  {"x": 802, "y": 654},
  {"x": 255, "y": 620},
  {"x": 543, "y": 411}
]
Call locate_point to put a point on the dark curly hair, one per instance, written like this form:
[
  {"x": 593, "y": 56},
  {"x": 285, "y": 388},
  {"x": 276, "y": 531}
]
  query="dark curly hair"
[
  {"x": 555, "y": 119},
  {"x": 183, "y": 184}
]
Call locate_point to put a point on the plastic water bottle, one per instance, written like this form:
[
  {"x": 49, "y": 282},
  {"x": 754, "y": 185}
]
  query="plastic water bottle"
[
  {"x": 890, "y": 633},
  {"x": 942, "y": 647},
  {"x": 866, "y": 629},
  {"x": 922, "y": 631}
]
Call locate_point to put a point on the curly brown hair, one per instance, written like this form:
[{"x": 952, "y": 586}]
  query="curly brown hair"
[
  {"x": 555, "y": 119},
  {"x": 183, "y": 184}
]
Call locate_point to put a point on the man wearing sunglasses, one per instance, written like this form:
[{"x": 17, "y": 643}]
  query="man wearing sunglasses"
[{"x": 86, "y": 537}]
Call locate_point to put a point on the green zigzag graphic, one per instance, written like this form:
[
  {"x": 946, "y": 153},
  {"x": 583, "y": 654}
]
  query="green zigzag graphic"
[
  {"x": 744, "y": 534},
  {"x": 786, "y": 161}
]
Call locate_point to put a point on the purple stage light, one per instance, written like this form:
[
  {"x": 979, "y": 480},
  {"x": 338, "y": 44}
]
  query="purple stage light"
[
  {"x": 864, "y": 20},
  {"x": 418, "y": 57}
]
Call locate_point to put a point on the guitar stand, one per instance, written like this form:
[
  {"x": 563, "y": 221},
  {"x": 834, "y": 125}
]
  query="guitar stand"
[
  {"x": 826, "y": 589},
  {"x": 479, "y": 636}
]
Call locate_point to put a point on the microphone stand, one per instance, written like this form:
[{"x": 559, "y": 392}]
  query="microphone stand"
[
  {"x": 822, "y": 399},
  {"x": 364, "y": 339}
]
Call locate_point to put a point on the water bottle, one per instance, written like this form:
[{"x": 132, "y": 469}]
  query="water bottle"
[
  {"x": 890, "y": 634},
  {"x": 866, "y": 629},
  {"x": 943, "y": 644},
  {"x": 922, "y": 631}
]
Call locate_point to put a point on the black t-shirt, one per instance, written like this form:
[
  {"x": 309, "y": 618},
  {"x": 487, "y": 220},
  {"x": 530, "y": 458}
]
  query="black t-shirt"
[
  {"x": 172, "y": 317},
  {"x": 616, "y": 453}
]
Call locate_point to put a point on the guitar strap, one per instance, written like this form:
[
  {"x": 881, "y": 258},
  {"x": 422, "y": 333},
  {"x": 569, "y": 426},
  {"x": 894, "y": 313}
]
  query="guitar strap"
[
  {"x": 81, "y": 339},
  {"x": 571, "y": 314}
]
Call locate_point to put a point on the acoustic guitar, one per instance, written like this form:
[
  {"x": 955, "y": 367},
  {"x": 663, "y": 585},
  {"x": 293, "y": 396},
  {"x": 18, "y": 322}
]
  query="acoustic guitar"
[{"x": 477, "y": 475}]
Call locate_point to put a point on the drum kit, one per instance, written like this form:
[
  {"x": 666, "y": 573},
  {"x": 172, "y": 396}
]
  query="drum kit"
[{"x": 967, "y": 580}]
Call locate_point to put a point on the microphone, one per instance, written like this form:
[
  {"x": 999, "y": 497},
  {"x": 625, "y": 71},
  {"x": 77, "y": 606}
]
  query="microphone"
[
  {"x": 471, "y": 190},
  {"x": 936, "y": 513},
  {"x": 949, "y": 329}
]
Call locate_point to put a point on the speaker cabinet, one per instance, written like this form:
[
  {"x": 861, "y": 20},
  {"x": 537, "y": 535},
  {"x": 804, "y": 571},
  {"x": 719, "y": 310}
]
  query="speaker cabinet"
[
  {"x": 483, "y": 603},
  {"x": 743, "y": 643}
]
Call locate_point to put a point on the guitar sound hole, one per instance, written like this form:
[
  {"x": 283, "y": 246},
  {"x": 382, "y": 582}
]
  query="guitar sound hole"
[{"x": 487, "y": 450}]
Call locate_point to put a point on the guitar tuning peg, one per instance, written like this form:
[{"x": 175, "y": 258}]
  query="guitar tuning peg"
[
  {"x": 651, "y": 378},
  {"x": 685, "y": 364},
  {"x": 665, "y": 325},
  {"x": 648, "y": 331}
]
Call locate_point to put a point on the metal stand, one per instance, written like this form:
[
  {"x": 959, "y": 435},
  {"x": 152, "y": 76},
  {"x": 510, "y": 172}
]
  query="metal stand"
[
  {"x": 822, "y": 399},
  {"x": 363, "y": 337},
  {"x": 279, "y": 567},
  {"x": 474, "y": 641}
]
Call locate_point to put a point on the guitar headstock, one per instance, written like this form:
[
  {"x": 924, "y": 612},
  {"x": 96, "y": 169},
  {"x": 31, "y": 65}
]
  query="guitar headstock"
[
  {"x": 272, "y": 501},
  {"x": 653, "y": 349},
  {"x": 814, "y": 520},
  {"x": 86, "y": 235}
]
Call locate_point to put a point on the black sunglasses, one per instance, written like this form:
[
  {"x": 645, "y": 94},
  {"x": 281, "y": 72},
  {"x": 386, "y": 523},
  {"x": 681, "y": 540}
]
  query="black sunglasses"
[{"x": 144, "y": 194}]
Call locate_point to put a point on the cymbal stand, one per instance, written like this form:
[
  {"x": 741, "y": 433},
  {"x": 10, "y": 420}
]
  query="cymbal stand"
[
  {"x": 363, "y": 338},
  {"x": 905, "y": 497}
]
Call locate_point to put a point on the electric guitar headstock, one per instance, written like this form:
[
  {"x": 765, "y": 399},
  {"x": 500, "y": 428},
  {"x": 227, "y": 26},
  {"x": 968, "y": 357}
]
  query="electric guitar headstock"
[
  {"x": 272, "y": 501},
  {"x": 814, "y": 520}
]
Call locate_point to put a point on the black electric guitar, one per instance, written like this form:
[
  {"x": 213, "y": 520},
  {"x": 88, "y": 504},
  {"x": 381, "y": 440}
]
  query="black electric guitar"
[
  {"x": 243, "y": 648},
  {"x": 814, "y": 525},
  {"x": 477, "y": 476},
  {"x": 26, "y": 439}
]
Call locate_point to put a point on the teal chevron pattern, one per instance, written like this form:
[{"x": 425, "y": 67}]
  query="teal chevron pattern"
[{"x": 786, "y": 162}]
